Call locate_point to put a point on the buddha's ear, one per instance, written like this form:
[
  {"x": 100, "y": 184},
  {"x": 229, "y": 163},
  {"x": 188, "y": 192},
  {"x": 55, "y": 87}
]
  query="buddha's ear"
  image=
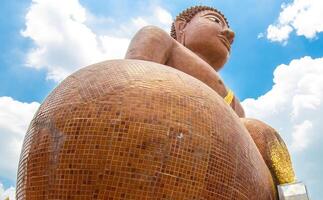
[{"x": 179, "y": 24}]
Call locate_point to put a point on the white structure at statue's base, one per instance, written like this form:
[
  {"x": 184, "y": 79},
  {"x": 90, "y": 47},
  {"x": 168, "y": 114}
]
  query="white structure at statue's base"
[{"x": 293, "y": 191}]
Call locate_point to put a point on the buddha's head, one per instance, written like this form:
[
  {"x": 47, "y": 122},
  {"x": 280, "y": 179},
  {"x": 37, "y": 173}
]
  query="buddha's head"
[{"x": 205, "y": 31}]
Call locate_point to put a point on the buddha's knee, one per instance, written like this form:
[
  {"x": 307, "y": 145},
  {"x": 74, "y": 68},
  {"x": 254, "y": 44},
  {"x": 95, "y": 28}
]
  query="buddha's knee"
[{"x": 273, "y": 150}]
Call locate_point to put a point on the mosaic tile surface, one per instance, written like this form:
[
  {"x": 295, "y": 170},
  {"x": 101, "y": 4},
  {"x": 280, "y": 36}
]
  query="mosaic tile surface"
[
  {"x": 128, "y": 129},
  {"x": 273, "y": 150}
]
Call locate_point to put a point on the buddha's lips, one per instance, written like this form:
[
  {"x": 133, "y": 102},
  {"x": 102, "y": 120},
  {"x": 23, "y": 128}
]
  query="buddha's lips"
[{"x": 225, "y": 42}]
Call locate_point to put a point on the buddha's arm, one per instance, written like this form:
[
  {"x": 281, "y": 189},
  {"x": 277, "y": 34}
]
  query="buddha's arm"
[
  {"x": 150, "y": 43},
  {"x": 153, "y": 44}
]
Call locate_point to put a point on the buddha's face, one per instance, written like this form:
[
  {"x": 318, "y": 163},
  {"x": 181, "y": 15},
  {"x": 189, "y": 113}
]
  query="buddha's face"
[{"x": 208, "y": 35}]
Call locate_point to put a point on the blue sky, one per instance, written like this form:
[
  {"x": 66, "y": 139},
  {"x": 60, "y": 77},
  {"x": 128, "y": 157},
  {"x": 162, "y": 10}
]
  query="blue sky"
[{"x": 275, "y": 68}]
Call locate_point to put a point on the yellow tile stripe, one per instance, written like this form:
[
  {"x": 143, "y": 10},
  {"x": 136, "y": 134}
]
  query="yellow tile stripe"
[{"x": 229, "y": 97}]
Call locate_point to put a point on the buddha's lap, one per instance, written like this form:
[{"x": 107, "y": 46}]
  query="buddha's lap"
[{"x": 139, "y": 128}]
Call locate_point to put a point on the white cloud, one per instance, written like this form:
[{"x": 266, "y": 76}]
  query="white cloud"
[
  {"x": 303, "y": 16},
  {"x": 279, "y": 33},
  {"x": 15, "y": 117},
  {"x": 260, "y": 35},
  {"x": 294, "y": 104},
  {"x": 163, "y": 16},
  {"x": 64, "y": 42},
  {"x": 7, "y": 193},
  {"x": 294, "y": 107}
]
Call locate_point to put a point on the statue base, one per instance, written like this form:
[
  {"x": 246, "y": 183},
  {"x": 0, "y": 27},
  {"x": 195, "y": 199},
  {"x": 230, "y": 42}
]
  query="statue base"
[{"x": 293, "y": 191}]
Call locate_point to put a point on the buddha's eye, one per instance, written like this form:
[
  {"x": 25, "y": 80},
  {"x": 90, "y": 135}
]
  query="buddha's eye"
[{"x": 214, "y": 19}]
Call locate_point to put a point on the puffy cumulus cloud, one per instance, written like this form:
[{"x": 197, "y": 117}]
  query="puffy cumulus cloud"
[
  {"x": 294, "y": 107},
  {"x": 7, "y": 194},
  {"x": 279, "y": 33},
  {"x": 303, "y": 16},
  {"x": 64, "y": 40},
  {"x": 163, "y": 16},
  {"x": 294, "y": 104},
  {"x": 15, "y": 117}
]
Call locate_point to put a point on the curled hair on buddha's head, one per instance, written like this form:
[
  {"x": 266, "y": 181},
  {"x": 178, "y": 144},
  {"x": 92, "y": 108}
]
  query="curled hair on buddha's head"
[{"x": 189, "y": 13}]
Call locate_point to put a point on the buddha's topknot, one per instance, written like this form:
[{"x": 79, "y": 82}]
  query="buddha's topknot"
[{"x": 189, "y": 13}]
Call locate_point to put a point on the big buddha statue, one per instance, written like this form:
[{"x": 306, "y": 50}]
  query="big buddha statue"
[{"x": 159, "y": 124}]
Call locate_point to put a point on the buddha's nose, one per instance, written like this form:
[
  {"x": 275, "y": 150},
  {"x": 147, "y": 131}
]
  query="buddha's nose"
[{"x": 229, "y": 34}]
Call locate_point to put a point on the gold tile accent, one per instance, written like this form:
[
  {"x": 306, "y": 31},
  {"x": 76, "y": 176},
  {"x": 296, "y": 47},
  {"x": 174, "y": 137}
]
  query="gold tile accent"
[{"x": 281, "y": 163}]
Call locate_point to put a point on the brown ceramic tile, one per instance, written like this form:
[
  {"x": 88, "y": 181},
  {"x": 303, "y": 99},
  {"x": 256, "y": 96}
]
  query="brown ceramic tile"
[{"x": 129, "y": 129}]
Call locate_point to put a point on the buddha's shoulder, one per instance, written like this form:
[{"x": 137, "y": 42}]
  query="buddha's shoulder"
[{"x": 154, "y": 32}]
